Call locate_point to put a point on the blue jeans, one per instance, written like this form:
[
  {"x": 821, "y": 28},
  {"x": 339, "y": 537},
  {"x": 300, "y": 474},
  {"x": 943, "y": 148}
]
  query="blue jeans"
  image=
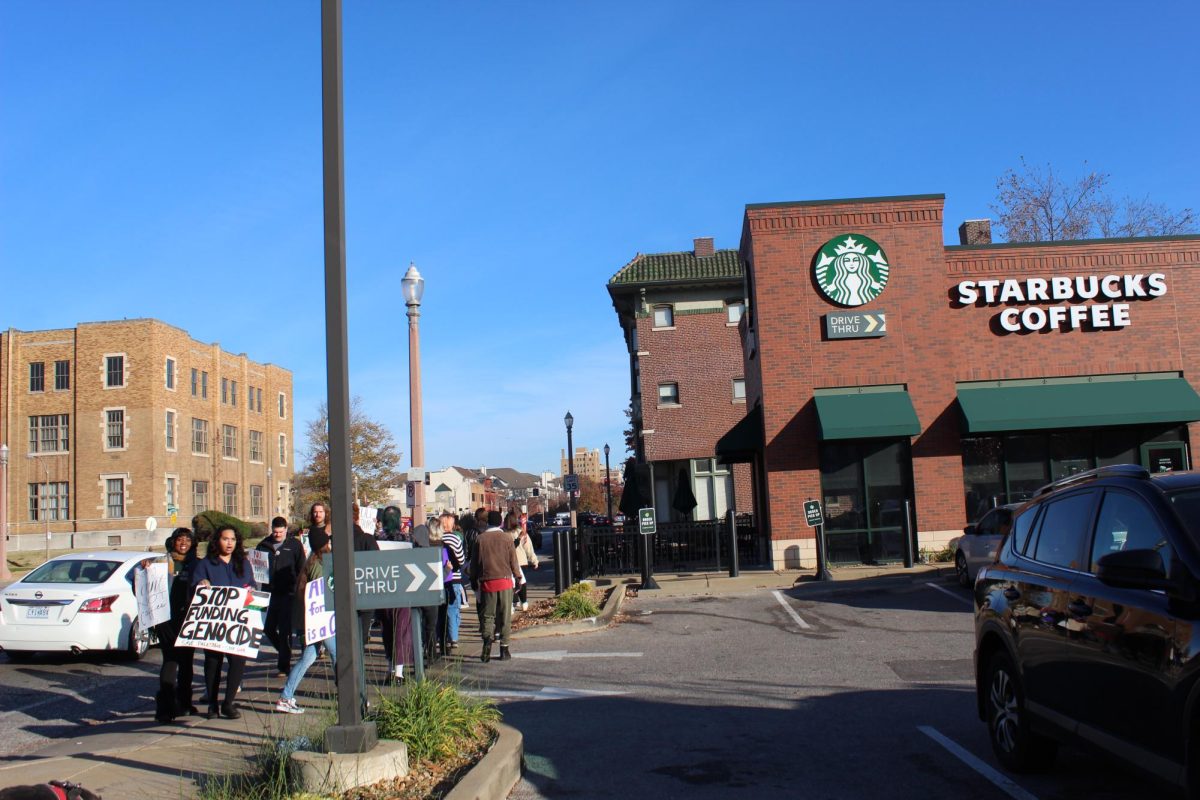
[
  {"x": 300, "y": 667},
  {"x": 454, "y": 601}
]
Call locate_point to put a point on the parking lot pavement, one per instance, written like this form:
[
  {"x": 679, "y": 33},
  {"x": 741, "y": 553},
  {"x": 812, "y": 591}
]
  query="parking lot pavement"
[{"x": 730, "y": 696}]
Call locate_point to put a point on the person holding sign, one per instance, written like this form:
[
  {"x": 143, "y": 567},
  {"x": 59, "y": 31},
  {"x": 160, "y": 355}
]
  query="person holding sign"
[
  {"x": 285, "y": 558},
  {"x": 312, "y": 573},
  {"x": 225, "y": 565},
  {"x": 174, "y": 696}
]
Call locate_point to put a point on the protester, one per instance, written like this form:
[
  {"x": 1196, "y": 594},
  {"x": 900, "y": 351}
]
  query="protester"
[
  {"x": 363, "y": 541},
  {"x": 318, "y": 518},
  {"x": 423, "y": 537},
  {"x": 174, "y": 698},
  {"x": 286, "y": 558},
  {"x": 493, "y": 575},
  {"x": 455, "y": 596},
  {"x": 526, "y": 557},
  {"x": 224, "y": 565},
  {"x": 312, "y": 570}
]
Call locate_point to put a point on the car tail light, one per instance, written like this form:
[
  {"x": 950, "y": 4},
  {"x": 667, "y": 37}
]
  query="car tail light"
[{"x": 98, "y": 605}]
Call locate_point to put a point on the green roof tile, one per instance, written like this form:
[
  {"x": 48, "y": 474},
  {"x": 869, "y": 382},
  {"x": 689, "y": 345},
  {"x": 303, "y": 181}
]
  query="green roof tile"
[{"x": 684, "y": 266}]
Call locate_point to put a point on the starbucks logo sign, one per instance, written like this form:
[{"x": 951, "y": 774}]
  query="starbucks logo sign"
[{"x": 851, "y": 270}]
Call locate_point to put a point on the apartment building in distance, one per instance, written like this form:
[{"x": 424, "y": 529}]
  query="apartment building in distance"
[
  {"x": 589, "y": 464},
  {"x": 109, "y": 424}
]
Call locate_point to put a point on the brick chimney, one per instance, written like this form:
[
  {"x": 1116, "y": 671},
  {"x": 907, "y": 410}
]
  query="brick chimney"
[
  {"x": 975, "y": 231},
  {"x": 702, "y": 247}
]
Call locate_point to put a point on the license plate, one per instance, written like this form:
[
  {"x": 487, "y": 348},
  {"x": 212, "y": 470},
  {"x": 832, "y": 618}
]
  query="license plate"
[{"x": 37, "y": 612}]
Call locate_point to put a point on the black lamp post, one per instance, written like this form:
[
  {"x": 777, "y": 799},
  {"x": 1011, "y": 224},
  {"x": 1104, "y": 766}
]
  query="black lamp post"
[
  {"x": 608, "y": 484},
  {"x": 570, "y": 462}
]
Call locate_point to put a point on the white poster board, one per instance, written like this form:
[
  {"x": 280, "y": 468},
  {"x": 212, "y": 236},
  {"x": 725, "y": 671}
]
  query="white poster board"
[
  {"x": 366, "y": 519},
  {"x": 150, "y": 585},
  {"x": 260, "y": 562},
  {"x": 225, "y": 619},
  {"x": 318, "y": 622}
]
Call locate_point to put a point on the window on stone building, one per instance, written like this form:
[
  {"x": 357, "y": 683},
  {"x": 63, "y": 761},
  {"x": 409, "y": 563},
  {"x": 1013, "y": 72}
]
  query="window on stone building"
[
  {"x": 114, "y": 501},
  {"x": 256, "y": 501},
  {"x": 171, "y": 491},
  {"x": 114, "y": 371},
  {"x": 195, "y": 382},
  {"x": 282, "y": 406},
  {"x": 171, "y": 374},
  {"x": 229, "y": 436},
  {"x": 664, "y": 317},
  {"x": 250, "y": 397},
  {"x": 49, "y": 433},
  {"x": 199, "y": 497},
  {"x": 204, "y": 385},
  {"x": 170, "y": 429},
  {"x": 49, "y": 502},
  {"x": 224, "y": 391},
  {"x": 37, "y": 376},
  {"x": 199, "y": 436},
  {"x": 258, "y": 397},
  {"x": 282, "y": 450},
  {"x": 114, "y": 429},
  {"x": 668, "y": 394},
  {"x": 233, "y": 393},
  {"x": 62, "y": 375},
  {"x": 256, "y": 445},
  {"x": 229, "y": 494}
]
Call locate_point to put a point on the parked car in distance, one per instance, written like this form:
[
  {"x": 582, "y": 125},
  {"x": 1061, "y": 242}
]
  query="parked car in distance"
[
  {"x": 562, "y": 518},
  {"x": 1087, "y": 626},
  {"x": 74, "y": 603},
  {"x": 977, "y": 546}
]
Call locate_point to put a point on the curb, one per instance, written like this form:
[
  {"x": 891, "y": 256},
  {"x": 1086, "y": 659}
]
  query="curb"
[
  {"x": 602, "y": 620},
  {"x": 497, "y": 772},
  {"x": 813, "y": 588}
]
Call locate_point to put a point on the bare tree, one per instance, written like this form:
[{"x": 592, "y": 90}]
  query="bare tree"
[
  {"x": 1037, "y": 204},
  {"x": 374, "y": 459}
]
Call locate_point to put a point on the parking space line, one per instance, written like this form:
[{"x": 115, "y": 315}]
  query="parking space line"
[
  {"x": 949, "y": 593},
  {"x": 791, "y": 611},
  {"x": 1001, "y": 781}
]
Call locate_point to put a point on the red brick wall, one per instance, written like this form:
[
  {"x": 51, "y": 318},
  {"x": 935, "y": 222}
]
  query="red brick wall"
[{"x": 931, "y": 341}]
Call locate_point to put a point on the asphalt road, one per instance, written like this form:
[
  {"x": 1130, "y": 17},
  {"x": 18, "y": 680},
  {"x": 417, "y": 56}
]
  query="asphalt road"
[{"x": 771, "y": 696}]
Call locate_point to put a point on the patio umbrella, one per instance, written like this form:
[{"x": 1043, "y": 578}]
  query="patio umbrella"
[
  {"x": 684, "y": 500},
  {"x": 631, "y": 497}
]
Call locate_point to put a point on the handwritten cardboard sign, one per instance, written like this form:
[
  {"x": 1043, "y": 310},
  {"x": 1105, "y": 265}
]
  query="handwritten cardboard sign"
[
  {"x": 225, "y": 619},
  {"x": 260, "y": 562},
  {"x": 150, "y": 585},
  {"x": 318, "y": 619}
]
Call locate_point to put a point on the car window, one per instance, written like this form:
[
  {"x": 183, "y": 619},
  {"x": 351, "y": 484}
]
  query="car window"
[
  {"x": 1022, "y": 528},
  {"x": 1127, "y": 523},
  {"x": 1064, "y": 529},
  {"x": 81, "y": 571},
  {"x": 987, "y": 525}
]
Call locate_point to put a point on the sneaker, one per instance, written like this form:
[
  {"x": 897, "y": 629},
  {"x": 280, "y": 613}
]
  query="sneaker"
[
  {"x": 524, "y": 606},
  {"x": 288, "y": 706}
]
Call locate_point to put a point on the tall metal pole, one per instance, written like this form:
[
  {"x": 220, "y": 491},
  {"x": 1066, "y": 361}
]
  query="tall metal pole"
[
  {"x": 608, "y": 484},
  {"x": 351, "y": 734},
  {"x": 413, "y": 287},
  {"x": 4, "y": 572},
  {"x": 571, "y": 464}
]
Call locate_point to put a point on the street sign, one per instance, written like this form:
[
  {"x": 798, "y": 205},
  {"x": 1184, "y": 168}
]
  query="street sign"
[
  {"x": 856, "y": 325},
  {"x": 410, "y": 494},
  {"x": 394, "y": 578},
  {"x": 571, "y": 483},
  {"x": 647, "y": 524},
  {"x": 812, "y": 513},
  {"x": 151, "y": 524}
]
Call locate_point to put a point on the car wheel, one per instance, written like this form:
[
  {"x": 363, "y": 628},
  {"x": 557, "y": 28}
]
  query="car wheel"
[
  {"x": 138, "y": 645},
  {"x": 960, "y": 569},
  {"x": 1008, "y": 725}
]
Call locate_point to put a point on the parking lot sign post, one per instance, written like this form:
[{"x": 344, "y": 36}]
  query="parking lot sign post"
[
  {"x": 647, "y": 527},
  {"x": 815, "y": 518}
]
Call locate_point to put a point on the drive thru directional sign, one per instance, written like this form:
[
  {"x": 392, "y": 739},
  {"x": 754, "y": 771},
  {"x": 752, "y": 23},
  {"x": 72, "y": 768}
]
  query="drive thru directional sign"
[
  {"x": 646, "y": 521},
  {"x": 812, "y": 513},
  {"x": 856, "y": 325},
  {"x": 395, "y": 578}
]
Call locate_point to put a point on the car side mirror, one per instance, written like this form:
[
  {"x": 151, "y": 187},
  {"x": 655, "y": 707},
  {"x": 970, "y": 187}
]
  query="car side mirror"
[
  {"x": 969, "y": 530},
  {"x": 1133, "y": 569}
]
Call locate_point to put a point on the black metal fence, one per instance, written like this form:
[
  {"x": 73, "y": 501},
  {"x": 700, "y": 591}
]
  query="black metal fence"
[{"x": 677, "y": 547}]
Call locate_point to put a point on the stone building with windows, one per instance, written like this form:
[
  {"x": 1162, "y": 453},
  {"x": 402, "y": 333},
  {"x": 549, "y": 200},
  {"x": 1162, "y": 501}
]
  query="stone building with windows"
[
  {"x": 111, "y": 423},
  {"x": 680, "y": 312}
]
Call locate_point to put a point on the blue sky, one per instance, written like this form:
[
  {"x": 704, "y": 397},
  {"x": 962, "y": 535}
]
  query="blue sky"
[{"x": 164, "y": 159}]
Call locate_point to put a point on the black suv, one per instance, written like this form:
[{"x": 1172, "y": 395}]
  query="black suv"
[{"x": 1087, "y": 626}]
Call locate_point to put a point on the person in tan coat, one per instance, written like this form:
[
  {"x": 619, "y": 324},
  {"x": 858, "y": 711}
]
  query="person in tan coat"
[
  {"x": 526, "y": 557},
  {"x": 494, "y": 574}
]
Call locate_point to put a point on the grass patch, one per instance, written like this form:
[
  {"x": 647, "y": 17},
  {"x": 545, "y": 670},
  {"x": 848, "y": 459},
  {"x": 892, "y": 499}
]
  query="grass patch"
[
  {"x": 433, "y": 719},
  {"x": 937, "y": 556},
  {"x": 576, "y": 603}
]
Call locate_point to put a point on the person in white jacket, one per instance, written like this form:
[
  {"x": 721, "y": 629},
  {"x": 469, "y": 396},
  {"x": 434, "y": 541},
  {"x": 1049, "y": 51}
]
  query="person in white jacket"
[{"x": 526, "y": 557}]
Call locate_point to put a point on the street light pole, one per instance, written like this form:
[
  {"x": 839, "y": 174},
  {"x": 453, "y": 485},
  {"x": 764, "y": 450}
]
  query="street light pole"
[
  {"x": 570, "y": 464},
  {"x": 4, "y": 573},
  {"x": 351, "y": 734},
  {"x": 608, "y": 484},
  {"x": 413, "y": 286}
]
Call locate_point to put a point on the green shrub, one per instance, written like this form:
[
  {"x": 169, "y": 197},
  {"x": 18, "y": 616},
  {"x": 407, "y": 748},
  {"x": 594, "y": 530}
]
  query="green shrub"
[
  {"x": 933, "y": 556},
  {"x": 432, "y": 718},
  {"x": 207, "y": 522},
  {"x": 574, "y": 603}
]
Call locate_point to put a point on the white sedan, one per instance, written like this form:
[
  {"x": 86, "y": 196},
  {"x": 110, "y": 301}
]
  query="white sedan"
[
  {"x": 980, "y": 542},
  {"x": 75, "y": 602}
]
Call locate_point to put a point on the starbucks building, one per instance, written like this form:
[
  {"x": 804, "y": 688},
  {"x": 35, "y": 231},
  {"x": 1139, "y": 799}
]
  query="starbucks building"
[{"x": 888, "y": 374}]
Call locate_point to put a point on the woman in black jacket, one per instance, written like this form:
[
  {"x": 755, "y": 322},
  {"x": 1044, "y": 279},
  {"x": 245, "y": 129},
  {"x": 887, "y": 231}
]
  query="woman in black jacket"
[{"x": 174, "y": 698}]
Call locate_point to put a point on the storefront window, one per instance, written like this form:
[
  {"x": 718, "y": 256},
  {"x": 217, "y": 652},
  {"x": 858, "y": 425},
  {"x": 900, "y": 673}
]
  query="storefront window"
[
  {"x": 841, "y": 484},
  {"x": 1070, "y": 453},
  {"x": 864, "y": 485},
  {"x": 984, "y": 484},
  {"x": 1025, "y": 462},
  {"x": 1116, "y": 446}
]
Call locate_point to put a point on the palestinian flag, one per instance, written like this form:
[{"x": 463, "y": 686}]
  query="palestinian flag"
[{"x": 257, "y": 600}]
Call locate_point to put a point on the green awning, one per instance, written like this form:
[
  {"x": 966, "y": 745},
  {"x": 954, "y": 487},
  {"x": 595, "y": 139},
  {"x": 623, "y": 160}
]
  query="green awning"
[
  {"x": 1083, "y": 404},
  {"x": 743, "y": 440},
  {"x": 866, "y": 414}
]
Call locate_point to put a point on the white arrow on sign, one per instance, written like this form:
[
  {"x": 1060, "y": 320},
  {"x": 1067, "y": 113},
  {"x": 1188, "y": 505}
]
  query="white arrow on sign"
[
  {"x": 872, "y": 322},
  {"x": 418, "y": 576},
  {"x": 435, "y": 569}
]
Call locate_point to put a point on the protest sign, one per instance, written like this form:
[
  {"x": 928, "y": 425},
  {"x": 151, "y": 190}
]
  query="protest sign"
[
  {"x": 366, "y": 518},
  {"x": 260, "y": 562},
  {"x": 153, "y": 599},
  {"x": 225, "y": 619},
  {"x": 318, "y": 620}
]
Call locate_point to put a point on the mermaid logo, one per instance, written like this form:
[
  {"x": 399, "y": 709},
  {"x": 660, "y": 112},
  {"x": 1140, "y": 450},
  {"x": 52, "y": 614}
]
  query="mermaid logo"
[{"x": 851, "y": 270}]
